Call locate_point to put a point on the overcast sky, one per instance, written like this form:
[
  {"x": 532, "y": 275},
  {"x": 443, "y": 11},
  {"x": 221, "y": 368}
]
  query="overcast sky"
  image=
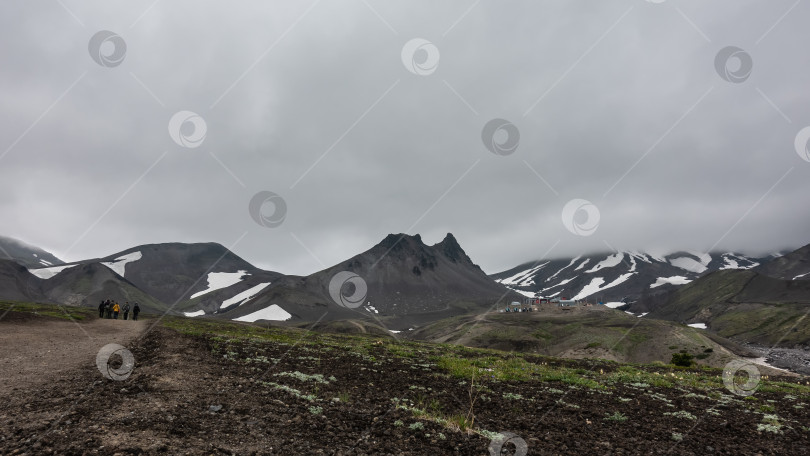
[{"x": 363, "y": 132}]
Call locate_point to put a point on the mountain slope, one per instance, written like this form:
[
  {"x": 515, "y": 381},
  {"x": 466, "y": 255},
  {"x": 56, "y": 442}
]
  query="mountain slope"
[
  {"x": 17, "y": 284},
  {"x": 406, "y": 279},
  {"x": 88, "y": 284},
  {"x": 592, "y": 332},
  {"x": 27, "y": 255},
  {"x": 743, "y": 305},
  {"x": 618, "y": 276},
  {"x": 793, "y": 266},
  {"x": 175, "y": 271}
]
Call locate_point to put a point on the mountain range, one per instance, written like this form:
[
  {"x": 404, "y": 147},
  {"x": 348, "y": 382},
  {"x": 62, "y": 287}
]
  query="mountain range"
[
  {"x": 403, "y": 279},
  {"x": 407, "y": 283}
]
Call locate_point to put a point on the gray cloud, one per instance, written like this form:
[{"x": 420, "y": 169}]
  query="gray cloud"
[{"x": 316, "y": 106}]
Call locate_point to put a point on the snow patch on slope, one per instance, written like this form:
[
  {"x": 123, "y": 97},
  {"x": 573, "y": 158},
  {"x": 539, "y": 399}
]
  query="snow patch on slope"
[
  {"x": 674, "y": 280},
  {"x": 528, "y": 294},
  {"x": 732, "y": 261},
  {"x": 688, "y": 264},
  {"x": 196, "y": 313},
  {"x": 244, "y": 296},
  {"x": 558, "y": 285},
  {"x": 47, "y": 273},
  {"x": 274, "y": 312},
  {"x": 217, "y": 280},
  {"x": 564, "y": 268},
  {"x": 595, "y": 285},
  {"x": 522, "y": 276},
  {"x": 119, "y": 265},
  {"x": 582, "y": 265},
  {"x": 609, "y": 262}
]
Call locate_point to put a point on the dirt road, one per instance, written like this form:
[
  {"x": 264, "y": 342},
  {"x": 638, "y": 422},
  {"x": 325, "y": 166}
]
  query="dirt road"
[{"x": 34, "y": 352}]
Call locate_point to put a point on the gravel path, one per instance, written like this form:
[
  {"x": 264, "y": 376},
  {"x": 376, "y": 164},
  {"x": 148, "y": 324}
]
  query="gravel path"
[{"x": 36, "y": 352}]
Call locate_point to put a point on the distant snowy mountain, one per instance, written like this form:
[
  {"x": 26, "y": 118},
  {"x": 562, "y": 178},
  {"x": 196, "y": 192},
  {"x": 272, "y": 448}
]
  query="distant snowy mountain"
[{"x": 612, "y": 277}]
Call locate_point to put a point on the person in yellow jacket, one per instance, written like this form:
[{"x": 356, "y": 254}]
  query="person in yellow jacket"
[{"x": 116, "y": 309}]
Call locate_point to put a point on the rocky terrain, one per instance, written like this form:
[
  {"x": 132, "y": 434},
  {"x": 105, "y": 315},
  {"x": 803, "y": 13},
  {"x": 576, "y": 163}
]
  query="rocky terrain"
[{"x": 208, "y": 387}]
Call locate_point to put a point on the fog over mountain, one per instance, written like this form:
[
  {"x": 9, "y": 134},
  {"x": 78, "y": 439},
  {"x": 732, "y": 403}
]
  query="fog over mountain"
[{"x": 680, "y": 123}]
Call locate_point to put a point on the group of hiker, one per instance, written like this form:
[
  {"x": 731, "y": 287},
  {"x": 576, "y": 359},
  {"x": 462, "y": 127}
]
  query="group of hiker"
[{"x": 111, "y": 309}]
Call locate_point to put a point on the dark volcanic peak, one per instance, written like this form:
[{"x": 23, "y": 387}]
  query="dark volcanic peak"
[
  {"x": 450, "y": 248},
  {"x": 399, "y": 242},
  {"x": 404, "y": 277}
]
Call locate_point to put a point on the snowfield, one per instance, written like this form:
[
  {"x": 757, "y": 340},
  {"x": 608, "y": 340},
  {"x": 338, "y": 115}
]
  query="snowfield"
[
  {"x": 274, "y": 312},
  {"x": 119, "y": 265},
  {"x": 196, "y": 313},
  {"x": 218, "y": 280},
  {"x": 697, "y": 325}
]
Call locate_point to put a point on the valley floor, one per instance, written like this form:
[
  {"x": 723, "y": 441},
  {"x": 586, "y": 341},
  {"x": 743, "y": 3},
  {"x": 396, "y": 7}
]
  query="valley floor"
[
  {"x": 36, "y": 350},
  {"x": 208, "y": 387}
]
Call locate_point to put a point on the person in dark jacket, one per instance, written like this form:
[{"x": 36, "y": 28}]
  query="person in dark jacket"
[
  {"x": 108, "y": 310},
  {"x": 135, "y": 311},
  {"x": 126, "y": 310},
  {"x": 101, "y": 309}
]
